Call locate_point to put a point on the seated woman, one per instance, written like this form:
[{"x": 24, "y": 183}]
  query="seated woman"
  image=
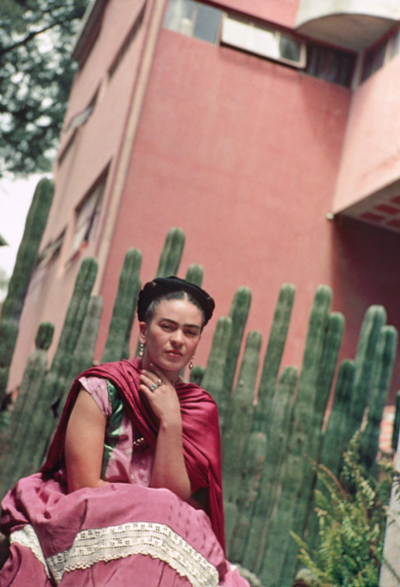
[{"x": 130, "y": 493}]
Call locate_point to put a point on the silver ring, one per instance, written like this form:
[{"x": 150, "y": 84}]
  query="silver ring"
[
  {"x": 159, "y": 382},
  {"x": 153, "y": 387}
]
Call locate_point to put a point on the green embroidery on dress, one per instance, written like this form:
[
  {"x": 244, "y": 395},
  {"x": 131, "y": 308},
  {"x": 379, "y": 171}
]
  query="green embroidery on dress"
[{"x": 113, "y": 426}]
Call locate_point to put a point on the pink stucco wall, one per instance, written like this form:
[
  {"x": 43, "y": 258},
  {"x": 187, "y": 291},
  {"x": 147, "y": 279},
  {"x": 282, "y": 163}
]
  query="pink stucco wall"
[
  {"x": 371, "y": 153},
  {"x": 234, "y": 150}
]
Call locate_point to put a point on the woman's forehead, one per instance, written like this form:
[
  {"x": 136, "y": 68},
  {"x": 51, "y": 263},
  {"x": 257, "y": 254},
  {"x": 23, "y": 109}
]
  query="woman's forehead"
[{"x": 182, "y": 311}]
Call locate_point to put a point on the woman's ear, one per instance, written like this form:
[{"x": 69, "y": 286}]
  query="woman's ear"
[{"x": 142, "y": 332}]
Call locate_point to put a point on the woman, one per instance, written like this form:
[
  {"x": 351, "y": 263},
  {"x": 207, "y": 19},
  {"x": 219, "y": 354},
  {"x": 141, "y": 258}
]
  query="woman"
[{"x": 130, "y": 493}]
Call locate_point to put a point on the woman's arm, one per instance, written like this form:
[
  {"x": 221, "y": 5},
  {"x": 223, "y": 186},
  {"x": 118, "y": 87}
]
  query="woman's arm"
[
  {"x": 84, "y": 444},
  {"x": 169, "y": 469}
]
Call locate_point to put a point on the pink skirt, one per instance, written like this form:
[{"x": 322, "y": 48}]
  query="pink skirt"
[{"x": 117, "y": 535}]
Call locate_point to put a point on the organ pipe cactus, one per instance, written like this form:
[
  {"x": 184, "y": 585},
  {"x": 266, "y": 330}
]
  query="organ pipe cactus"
[
  {"x": 13, "y": 458},
  {"x": 238, "y": 313},
  {"x": 384, "y": 359},
  {"x": 59, "y": 378},
  {"x": 267, "y": 448},
  {"x": 374, "y": 319},
  {"x": 213, "y": 379},
  {"x": 83, "y": 355},
  {"x": 124, "y": 308},
  {"x": 292, "y": 502},
  {"x": 171, "y": 254},
  {"x": 281, "y": 415},
  {"x": 195, "y": 274},
  {"x": 273, "y": 356},
  {"x": 19, "y": 282},
  {"x": 240, "y": 417}
]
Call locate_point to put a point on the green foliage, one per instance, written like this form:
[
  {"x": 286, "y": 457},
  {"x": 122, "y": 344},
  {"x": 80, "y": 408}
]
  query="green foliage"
[
  {"x": 36, "y": 73},
  {"x": 352, "y": 521}
]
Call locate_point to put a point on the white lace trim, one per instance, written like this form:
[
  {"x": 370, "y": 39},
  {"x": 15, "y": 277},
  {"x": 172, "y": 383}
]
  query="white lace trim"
[
  {"x": 106, "y": 544},
  {"x": 27, "y": 537}
]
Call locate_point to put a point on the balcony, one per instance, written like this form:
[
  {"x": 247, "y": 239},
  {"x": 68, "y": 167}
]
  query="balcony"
[{"x": 351, "y": 24}]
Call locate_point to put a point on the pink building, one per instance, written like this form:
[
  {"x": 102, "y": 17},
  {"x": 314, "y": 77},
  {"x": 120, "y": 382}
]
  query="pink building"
[{"x": 268, "y": 131}]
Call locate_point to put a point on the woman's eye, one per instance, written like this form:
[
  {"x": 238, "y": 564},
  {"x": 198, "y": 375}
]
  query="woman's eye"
[
  {"x": 191, "y": 333},
  {"x": 166, "y": 326}
]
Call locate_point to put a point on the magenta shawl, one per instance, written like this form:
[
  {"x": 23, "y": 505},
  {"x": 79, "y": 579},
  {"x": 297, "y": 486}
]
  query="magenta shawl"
[{"x": 201, "y": 436}]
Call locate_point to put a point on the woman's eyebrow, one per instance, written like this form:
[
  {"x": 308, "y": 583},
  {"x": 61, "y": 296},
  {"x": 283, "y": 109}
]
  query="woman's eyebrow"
[{"x": 177, "y": 324}]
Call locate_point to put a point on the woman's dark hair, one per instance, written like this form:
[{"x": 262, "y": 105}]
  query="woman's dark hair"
[
  {"x": 172, "y": 288},
  {"x": 173, "y": 295}
]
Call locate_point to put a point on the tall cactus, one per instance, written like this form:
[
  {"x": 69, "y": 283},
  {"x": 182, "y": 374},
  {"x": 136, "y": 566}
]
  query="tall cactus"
[
  {"x": 384, "y": 359},
  {"x": 13, "y": 459},
  {"x": 171, "y": 254},
  {"x": 334, "y": 440},
  {"x": 375, "y": 318},
  {"x": 19, "y": 282},
  {"x": 58, "y": 379},
  {"x": 323, "y": 383},
  {"x": 278, "y": 435},
  {"x": 293, "y": 501},
  {"x": 83, "y": 355},
  {"x": 238, "y": 426},
  {"x": 238, "y": 313},
  {"x": 194, "y": 274},
  {"x": 124, "y": 308},
  {"x": 213, "y": 379},
  {"x": 273, "y": 356}
]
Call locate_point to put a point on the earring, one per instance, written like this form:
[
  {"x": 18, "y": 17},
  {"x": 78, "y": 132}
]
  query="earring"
[
  {"x": 141, "y": 350},
  {"x": 191, "y": 363}
]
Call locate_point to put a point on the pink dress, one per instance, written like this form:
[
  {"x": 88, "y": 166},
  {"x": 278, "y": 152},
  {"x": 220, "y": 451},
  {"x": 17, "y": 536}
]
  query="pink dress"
[{"x": 124, "y": 533}]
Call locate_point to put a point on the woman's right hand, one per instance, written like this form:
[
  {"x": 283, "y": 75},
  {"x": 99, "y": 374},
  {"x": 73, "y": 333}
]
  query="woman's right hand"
[{"x": 84, "y": 444}]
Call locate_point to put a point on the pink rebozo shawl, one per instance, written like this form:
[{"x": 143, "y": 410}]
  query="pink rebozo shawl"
[{"x": 201, "y": 436}]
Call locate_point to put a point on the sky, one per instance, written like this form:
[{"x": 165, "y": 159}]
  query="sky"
[{"x": 15, "y": 198}]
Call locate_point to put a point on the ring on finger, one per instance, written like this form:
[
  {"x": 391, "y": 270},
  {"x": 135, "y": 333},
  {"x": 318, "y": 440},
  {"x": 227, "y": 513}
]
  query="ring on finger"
[
  {"x": 153, "y": 387},
  {"x": 159, "y": 382}
]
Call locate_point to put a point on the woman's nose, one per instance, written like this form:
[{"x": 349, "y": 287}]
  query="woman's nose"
[{"x": 177, "y": 337}]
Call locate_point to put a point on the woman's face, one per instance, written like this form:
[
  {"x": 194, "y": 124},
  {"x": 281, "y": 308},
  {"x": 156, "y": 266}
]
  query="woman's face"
[{"x": 172, "y": 336}]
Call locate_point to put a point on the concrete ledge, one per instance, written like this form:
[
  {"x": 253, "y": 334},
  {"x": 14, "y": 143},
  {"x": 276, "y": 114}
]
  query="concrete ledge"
[{"x": 351, "y": 24}]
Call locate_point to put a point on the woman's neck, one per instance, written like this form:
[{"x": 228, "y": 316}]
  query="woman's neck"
[{"x": 172, "y": 376}]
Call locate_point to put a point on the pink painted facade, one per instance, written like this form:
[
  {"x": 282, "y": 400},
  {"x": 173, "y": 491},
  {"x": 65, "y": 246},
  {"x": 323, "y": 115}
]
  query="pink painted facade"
[{"x": 247, "y": 155}]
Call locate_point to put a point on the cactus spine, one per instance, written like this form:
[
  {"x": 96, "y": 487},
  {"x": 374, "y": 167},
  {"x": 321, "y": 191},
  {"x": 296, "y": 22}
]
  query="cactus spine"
[{"x": 19, "y": 282}]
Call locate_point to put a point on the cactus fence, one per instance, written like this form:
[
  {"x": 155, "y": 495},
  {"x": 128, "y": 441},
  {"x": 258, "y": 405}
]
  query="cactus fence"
[{"x": 269, "y": 448}]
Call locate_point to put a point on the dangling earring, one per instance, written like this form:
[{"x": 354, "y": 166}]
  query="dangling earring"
[
  {"x": 191, "y": 363},
  {"x": 141, "y": 350}
]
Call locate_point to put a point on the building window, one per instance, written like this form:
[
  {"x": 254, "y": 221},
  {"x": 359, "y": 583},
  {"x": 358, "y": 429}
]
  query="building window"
[
  {"x": 127, "y": 42},
  {"x": 263, "y": 40},
  {"x": 194, "y": 20},
  {"x": 87, "y": 219},
  {"x": 331, "y": 65},
  {"x": 381, "y": 53},
  {"x": 46, "y": 259}
]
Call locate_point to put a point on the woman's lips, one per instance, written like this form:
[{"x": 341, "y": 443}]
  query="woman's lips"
[{"x": 176, "y": 354}]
